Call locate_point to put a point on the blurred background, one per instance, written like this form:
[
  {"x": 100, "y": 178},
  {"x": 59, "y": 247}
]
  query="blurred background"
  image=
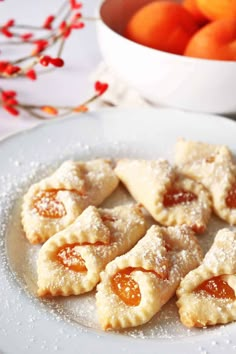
[{"x": 67, "y": 85}]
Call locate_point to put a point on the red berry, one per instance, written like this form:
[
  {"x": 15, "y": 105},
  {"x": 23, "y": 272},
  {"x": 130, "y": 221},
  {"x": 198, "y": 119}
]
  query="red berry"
[
  {"x": 41, "y": 45},
  {"x": 31, "y": 74},
  {"x": 12, "y": 110},
  {"x": 3, "y": 65},
  {"x": 11, "y": 102},
  {"x": 65, "y": 29},
  {"x": 10, "y": 23},
  {"x": 76, "y": 16},
  {"x": 26, "y": 36},
  {"x": 45, "y": 60},
  {"x": 100, "y": 87},
  {"x": 57, "y": 62},
  {"x": 79, "y": 25},
  {"x": 5, "y": 31},
  {"x": 48, "y": 22},
  {"x": 8, "y": 94},
  {"x": 75, "y": 5},
  {"x": 11, "y": 69}
]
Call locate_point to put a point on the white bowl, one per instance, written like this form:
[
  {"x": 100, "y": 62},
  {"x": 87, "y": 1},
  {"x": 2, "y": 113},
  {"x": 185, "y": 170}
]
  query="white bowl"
[{"x": 163, "y": 78}]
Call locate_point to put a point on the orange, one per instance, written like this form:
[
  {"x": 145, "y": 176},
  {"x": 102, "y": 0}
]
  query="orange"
[
  {"x": 162, "y": 25},
  {"x": 216, "y": 40},
  {"x": 217, "y": 9},
  {"x": 191, "y": 6}
]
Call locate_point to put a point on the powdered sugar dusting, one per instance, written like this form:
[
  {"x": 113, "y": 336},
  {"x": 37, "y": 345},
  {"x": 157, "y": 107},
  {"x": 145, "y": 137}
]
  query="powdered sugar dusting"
[
  {"x": 79, "y": 311},
  {"x": 47, "y": 205}
]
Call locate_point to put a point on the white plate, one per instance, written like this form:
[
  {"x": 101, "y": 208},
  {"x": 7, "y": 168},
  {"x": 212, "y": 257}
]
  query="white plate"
[{"x": 29, "y": 325}]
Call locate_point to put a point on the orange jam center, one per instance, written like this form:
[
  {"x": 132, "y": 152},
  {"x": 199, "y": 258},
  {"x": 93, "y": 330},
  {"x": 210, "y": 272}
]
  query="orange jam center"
[
  {"x": 178, "y": 196},
  {"x": 231, "y": 197},
  {"x": 107, "y": 217},
  {"x": 126, "y": 287},
  {"x": 68, "y": 256},
  {"x": 210, "y": 159},
  {"x": 218, "y": 288},
  {"x": 47, "y": 205},
  {"x": 199, "y": 229}
]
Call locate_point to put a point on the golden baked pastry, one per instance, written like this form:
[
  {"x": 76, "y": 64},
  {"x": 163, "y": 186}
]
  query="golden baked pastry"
[
  {"x": 136, "y": 285},
  {"x": 212, "y": 165},
  {"x": 187, "y": 151},
  {"x": 207, "y": 294},
  {"x": 169, "y": 197},
  {"x": 54, "y": 203},
  {"x": 70, "y": 262}
]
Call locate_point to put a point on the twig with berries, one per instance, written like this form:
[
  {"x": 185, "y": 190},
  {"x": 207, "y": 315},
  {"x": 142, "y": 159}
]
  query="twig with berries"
[
  {"x": 56, "y": 30},
  {"x": 9, "y": 101},
  {"x": 57, "y": 27}
]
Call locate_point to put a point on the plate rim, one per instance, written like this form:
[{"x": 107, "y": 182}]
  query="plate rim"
[
  {"x": 43, "y": 124},
  {"x": 103, "y": 112}
]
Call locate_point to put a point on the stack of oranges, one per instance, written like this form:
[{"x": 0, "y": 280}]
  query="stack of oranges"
[{"x": 195, "y": 28}]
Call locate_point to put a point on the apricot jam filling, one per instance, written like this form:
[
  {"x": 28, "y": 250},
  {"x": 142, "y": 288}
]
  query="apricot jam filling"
[
  {"x": 231, "y": 197},
  {"x": 178, "y": 196},
  {"x": 217, "y": 287},
  {"x": 198, "y": 229},
  {"x": 107, "y": 217},
  {"x": 71, "y": 259},
  {"x": 48, "y": 206},
  {"x": 124, "y": 286},
  {"x": 210, "y": 159}
]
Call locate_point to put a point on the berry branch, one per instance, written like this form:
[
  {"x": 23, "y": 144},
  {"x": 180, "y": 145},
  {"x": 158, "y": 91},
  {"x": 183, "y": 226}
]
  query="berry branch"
[
  {"x": 10, "y": 102},
  {"x": 54, "y": 31}
]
